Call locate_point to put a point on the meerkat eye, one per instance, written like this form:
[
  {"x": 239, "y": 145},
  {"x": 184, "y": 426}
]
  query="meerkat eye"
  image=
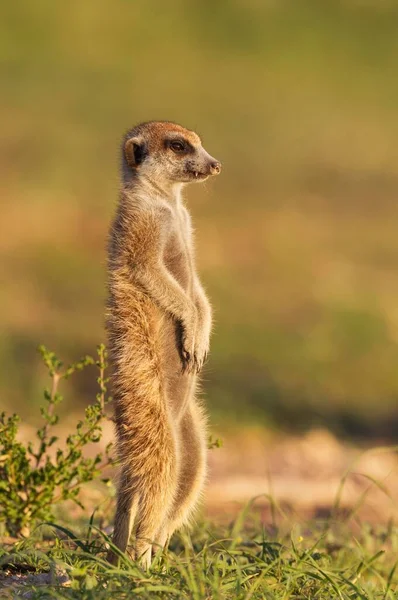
[{"x": 177, "y": 146}]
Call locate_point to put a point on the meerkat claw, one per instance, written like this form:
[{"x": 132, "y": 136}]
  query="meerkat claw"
[{"x": 187, "y": 362}]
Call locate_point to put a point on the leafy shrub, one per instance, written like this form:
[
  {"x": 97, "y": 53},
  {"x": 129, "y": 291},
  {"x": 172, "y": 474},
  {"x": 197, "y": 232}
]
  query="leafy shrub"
[{"x": 33, "y": 479}]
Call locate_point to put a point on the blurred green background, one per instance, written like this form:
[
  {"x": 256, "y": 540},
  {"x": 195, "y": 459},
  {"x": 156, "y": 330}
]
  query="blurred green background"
[{"x": 297, "y": 240}]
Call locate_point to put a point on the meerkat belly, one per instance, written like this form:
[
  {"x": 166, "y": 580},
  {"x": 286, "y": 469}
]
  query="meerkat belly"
[
  {"x": 178, "y": 261},
  {"x": 177, "y": 384}
]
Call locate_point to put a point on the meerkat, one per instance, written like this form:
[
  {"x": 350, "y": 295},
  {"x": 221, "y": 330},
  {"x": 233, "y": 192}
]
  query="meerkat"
[{"x": 159, "y": 324}]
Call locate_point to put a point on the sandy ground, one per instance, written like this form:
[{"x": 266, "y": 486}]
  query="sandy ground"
[{"x": 302, "y": 476}]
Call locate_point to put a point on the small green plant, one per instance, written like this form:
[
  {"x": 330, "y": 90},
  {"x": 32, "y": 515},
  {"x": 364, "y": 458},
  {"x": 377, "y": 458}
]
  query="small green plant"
[
  {"x": 213, "y": 442},
  {"x": 35, "y": 476}
]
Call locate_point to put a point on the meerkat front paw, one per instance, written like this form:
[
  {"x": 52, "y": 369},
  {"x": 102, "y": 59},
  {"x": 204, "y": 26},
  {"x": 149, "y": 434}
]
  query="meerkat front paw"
[
  {"x": 188, "y": 351},
  {"x": 202, "y": 346}
]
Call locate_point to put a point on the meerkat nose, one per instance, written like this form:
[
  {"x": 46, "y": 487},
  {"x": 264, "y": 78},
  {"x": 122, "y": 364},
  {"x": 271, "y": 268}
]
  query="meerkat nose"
[{"x": 215, "y": 167}]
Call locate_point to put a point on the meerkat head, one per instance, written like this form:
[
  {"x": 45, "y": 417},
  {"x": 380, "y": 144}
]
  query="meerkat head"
[{"x": 166, "y": 153}]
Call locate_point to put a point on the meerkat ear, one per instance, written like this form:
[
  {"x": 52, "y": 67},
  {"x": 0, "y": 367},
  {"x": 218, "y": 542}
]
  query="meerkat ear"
[{"x": 134, "y": 151}]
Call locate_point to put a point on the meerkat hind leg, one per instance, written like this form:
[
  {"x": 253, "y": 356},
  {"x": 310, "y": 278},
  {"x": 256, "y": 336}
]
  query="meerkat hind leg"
[
  {"x": 154, "y": 512},
  {"x": 191, "y": 476}
]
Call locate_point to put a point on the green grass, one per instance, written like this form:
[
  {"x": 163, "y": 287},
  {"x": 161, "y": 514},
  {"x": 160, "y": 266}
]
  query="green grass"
[{"x": 242, "y": 561}]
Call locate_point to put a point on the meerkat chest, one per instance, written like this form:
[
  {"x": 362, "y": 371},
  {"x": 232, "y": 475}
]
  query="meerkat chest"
[{"x": 178, "y": 251}]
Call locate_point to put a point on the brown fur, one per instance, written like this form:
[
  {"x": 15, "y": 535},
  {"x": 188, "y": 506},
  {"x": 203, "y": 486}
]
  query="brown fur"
[{"x": 158, "y": 323}]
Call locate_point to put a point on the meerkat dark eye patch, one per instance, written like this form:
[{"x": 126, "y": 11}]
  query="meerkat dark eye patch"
[{"x": 179, "y": 146}]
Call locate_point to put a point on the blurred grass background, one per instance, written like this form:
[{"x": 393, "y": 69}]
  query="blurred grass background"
[{"x": 297, "y": 240}]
